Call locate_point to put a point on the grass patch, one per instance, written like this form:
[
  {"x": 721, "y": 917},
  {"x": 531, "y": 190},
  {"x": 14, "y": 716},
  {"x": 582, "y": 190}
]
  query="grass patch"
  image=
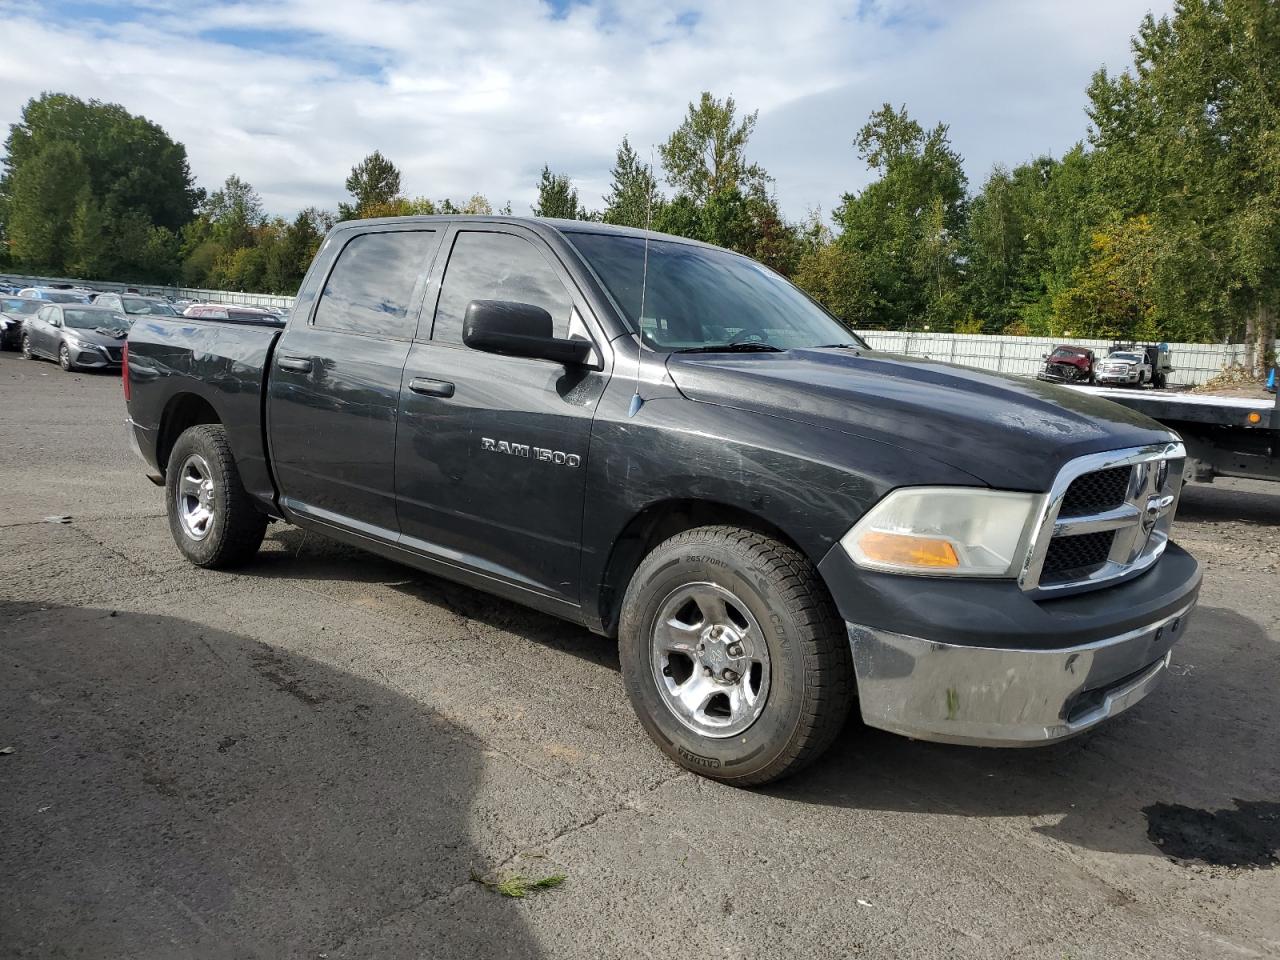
[{"x": 517, "y": 885}]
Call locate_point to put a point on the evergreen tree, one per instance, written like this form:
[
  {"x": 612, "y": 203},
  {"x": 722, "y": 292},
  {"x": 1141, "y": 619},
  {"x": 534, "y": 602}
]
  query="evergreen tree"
[
  {"x": 633, "y": 196},
  {"x": 557, "y": 197},
  {"x": 373, "y": 181}
]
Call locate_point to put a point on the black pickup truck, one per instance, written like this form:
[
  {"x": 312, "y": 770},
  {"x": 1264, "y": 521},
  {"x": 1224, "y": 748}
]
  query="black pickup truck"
[{"x": 671, "y": 445}]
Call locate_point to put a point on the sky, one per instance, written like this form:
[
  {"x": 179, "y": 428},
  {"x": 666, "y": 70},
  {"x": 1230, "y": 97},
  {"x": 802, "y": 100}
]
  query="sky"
[{"x": 475, "y": 97}]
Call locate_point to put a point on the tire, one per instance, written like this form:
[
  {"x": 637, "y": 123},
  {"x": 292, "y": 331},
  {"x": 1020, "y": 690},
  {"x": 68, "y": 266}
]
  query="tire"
[
  {"x": 799, "y": 667},
  {"x": 64, "y": 359},
  {"x": 211, "y": 518},
  {"x": 26, "y": 348}
]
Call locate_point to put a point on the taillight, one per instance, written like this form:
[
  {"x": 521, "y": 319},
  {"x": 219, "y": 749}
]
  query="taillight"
[{"x": 124, "y": 369}]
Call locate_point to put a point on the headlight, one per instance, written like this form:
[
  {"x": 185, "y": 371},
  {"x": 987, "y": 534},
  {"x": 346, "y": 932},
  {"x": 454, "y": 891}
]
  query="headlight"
[{"x": 945, "y": 531}]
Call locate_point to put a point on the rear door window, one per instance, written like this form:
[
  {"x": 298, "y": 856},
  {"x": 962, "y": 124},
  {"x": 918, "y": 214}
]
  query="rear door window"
[
  {"x": 498, "y": 266},
  {"x": 371, "y": 288}
]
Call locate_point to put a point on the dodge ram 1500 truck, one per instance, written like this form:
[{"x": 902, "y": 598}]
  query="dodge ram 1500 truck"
[{"x": 671, "y": 445}]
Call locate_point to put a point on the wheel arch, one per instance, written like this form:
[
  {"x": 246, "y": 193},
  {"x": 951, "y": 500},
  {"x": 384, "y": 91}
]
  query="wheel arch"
[
  {"x": 181, "y": 413},
  {"x": 657, "y": 522}
]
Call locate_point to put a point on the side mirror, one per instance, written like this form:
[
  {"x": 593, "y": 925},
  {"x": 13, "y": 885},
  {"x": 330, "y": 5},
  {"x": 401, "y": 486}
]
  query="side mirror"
[{"x": 518, "y": 330}]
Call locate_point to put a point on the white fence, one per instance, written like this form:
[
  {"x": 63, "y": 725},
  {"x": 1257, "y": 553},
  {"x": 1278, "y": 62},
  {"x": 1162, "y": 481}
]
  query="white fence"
[{"x": 1193, "y": 363}]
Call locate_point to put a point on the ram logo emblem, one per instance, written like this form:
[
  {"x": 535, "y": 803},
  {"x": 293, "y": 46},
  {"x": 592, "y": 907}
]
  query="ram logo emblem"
[{"x": 557, "y": 457}]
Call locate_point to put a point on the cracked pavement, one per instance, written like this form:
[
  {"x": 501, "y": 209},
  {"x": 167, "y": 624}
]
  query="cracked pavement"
[{"x": 310, "y": 757}]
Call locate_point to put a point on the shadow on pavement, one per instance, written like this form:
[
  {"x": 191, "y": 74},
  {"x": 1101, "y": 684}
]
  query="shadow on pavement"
[
  {"x": 181, "y": 791},
  {"x": 1208, "y": 727},
  {"x": 1206, "y": 502}
]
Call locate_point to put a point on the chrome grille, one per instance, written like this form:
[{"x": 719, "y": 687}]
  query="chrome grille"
[{"x": 1107, "y": 517}]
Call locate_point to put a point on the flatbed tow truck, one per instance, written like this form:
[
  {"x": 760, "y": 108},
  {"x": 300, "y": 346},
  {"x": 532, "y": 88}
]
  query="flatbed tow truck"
[{"x": 1224, "y": 436}]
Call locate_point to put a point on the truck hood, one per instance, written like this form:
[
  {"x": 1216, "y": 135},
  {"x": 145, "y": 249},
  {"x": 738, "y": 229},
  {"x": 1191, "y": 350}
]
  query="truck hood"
[{"x": 1007, "y": 432}]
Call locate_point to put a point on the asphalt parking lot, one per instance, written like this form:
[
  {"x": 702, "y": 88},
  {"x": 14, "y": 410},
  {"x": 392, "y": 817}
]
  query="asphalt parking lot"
[{"x": 311, "y": 757}]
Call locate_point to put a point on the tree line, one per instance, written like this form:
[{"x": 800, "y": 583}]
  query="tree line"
[{"x": 1162, "y": 223}]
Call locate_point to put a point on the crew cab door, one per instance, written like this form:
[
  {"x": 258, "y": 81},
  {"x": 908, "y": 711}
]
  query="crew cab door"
[
  {"x": 334, "y": 385},
  {"x": 491, "y": 455}
]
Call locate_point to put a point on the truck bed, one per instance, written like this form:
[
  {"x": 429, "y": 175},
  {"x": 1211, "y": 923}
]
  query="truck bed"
[{"x": 177, "y": 362}]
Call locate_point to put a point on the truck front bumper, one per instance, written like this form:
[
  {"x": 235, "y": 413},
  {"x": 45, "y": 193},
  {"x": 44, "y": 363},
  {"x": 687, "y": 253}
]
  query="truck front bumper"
[
  {"x": 1005, "y": 698},
  {"x": 983, "y": 663}
]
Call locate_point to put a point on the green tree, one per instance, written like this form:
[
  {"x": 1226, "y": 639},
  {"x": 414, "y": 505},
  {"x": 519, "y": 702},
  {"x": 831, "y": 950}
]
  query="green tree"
[
  {"x": 557, "y": 197},
  {"x": 906, "y": 225},
  {"x": 233, "y": 213},
  {"x": 706, "y": 155},
  {"x": 130, "y": 163},
  {"x": 633, "y": 196},
  {"x": 837, "y": 277},
  {"x": 44, "y": 195},
  {"x": 1111, "y": 295},
  {"x": 1188, "y": 138},
  {"x": 373, "y": 181}
]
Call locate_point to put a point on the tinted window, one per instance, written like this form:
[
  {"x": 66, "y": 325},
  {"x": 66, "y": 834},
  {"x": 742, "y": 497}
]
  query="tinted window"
[
  {"x": 498, "y": 266},
  {"x": 370, "y": 288}
]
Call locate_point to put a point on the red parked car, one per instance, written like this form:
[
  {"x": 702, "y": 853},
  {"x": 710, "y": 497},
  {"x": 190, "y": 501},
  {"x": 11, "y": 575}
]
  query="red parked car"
[{"x": 1068, "y": 364}]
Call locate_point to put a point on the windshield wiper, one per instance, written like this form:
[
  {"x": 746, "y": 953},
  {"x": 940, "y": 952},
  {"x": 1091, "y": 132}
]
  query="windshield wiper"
[
  {"x": 732, "y": 348},
  {"x": 838, "y": 346}
]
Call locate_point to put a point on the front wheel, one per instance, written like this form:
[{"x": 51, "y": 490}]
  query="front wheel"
[
  {"x": 733, "y": 655},
  {"x": 212, "y": 519},
  {"x": 64, "y": 359}
]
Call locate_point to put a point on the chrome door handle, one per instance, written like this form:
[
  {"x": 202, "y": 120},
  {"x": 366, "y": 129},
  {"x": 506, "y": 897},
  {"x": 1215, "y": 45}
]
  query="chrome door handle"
[
  {"x": 297, "y": 364},
  {"x": 431, "y": 388}
]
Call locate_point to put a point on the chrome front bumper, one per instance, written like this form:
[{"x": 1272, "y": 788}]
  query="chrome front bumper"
[{"x": 985, "y": 696}]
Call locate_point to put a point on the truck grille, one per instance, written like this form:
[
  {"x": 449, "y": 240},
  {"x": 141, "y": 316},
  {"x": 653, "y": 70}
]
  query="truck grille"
[
  {"x": 1095, "y": 492},
  {"x": 1108, "y": 516},
  {"x": 1069, "y": 558}
]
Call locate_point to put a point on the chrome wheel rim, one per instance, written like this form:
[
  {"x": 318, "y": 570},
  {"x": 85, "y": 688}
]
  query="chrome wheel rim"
[
  {"x": 64, "y": 357},
  {"x": 195, "y": 497},
  {"x": 710, "y": 660},
  {"x": 26, "y": 347}
]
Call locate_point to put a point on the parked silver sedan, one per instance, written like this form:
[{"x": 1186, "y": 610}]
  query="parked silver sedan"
[{"x": 76, "y": 336}]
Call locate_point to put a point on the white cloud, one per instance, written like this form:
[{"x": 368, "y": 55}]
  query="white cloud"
[{"x": 472, "y": 98}]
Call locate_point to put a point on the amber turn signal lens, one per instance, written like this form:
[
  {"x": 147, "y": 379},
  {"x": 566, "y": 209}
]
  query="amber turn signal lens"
[
  {"x": 907, "y": 551},
  {"x": 1255, "y": 417}
]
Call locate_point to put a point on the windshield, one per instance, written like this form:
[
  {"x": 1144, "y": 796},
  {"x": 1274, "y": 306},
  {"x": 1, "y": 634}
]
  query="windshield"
[
  {"x": 136, "y": 305},
  {"x": 92, "y": 319},
  {"x": 1063, "y": 354},
  {"x": 18, "y": 305},
  {"x": 1126, "y": 356},
  {"x": 699, "y": 297},
  {"x": 58, "y": 296}
]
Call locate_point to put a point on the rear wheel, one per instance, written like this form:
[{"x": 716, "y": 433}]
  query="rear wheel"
[
  {"x": 212, "y": 519},
  {"x": 26, "y": 348},
  {"x": 733, "y": 655}
]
